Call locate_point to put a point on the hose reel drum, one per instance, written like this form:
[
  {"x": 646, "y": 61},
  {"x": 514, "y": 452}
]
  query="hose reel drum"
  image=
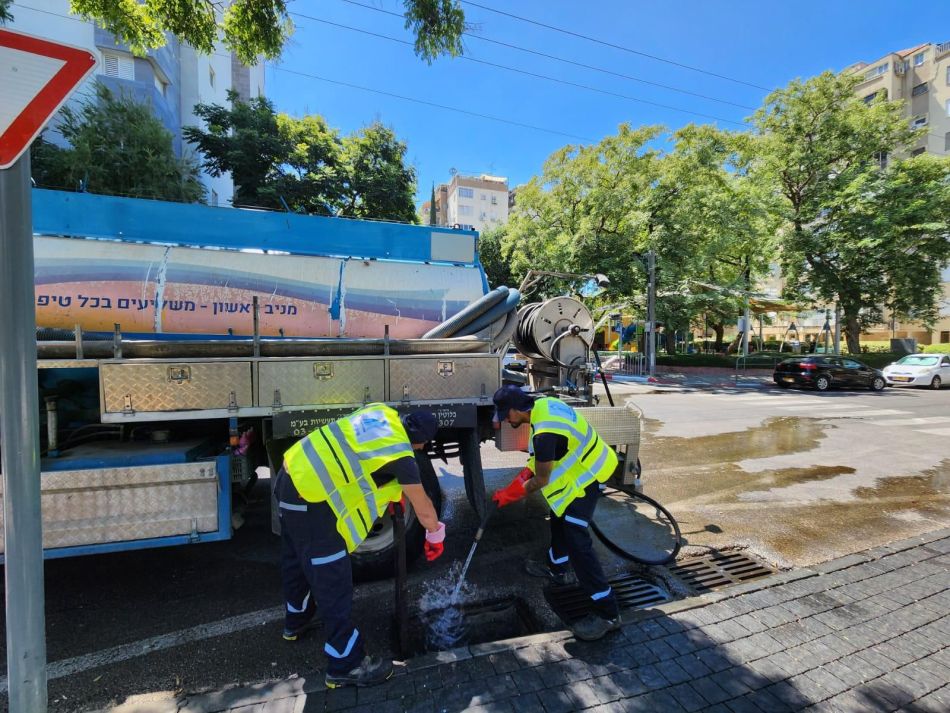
[{"x": 557, "y": 332}]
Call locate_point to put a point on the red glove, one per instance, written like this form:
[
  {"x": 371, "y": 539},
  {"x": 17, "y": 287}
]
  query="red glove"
[
  {"x": 435, "y": 543},
  {"x": 515, "y": 490}
]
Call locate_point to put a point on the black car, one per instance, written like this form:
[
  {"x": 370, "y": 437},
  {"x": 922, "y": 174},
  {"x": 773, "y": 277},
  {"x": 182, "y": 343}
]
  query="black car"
[{"x": 824, "y": 372}]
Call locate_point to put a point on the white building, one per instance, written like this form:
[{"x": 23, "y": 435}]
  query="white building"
[
  {"x": 470, "y": 202},
  {"x": 171, "y": 80}
]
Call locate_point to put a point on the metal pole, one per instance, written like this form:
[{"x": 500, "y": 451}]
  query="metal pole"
[
  {"x": 20, "y": 455},
  {"x": 827, "y": 328},
  {"x": 837, "y": 328},
  {"x": 651, "y": 314},
  {"x": 745, "y": 329}
]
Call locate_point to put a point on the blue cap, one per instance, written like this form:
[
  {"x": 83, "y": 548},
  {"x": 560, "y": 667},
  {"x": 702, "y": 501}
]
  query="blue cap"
[
  {"x": 421, "y": 426},
  {"x": 510, "y": 397}
]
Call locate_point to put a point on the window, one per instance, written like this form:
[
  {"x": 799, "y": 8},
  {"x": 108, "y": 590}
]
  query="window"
[
  {"x": 117, "y": 64},
  {"x": 917, "y": 152},
  {"x": 466, "y": 193},
  {"x": 946, "y": 141},
  {"x": 919, "y": 58},
  {"x": 483, "y": 196},
  {"x": 876, "y": 72},
  {"x": 948, "y": 107},
  {"x": 948, "y": 76},
  {"x": 919, "y": 89},
  {"x": 211, "y": 76},
  {"x": 161, "y": 86},
  {"x": 918, "y": 121},
  {"x": 881, "y": 159},
  {"x": 466, "y": 210},
  {"x": 945, "y": 337},
  {"x": 870, "y": 97},
  {"x": 494, "y": 200}
]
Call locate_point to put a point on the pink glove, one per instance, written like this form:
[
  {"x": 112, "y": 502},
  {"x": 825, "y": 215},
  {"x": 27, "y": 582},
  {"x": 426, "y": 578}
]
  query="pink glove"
[{"x": 435, "y": 543}]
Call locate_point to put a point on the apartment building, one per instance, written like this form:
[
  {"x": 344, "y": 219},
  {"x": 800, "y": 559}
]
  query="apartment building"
[
  {"x": 470, "y": 202},
  {"x": 170, "y": 80},
  {"x": 920, "y": 76}
]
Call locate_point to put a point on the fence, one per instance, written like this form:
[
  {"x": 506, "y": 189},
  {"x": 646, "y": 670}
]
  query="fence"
[{"x": 623, "y": 364}]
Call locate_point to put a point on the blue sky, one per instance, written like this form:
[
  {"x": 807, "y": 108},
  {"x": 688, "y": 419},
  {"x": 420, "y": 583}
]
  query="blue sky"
[{"x": 762, "y": 43}]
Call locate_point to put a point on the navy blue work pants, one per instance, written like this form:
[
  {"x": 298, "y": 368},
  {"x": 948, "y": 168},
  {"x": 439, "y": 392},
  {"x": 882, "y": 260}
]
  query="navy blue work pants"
[
  {"x": 571, "y": 544},
  {"x": 317, "y": 575}
]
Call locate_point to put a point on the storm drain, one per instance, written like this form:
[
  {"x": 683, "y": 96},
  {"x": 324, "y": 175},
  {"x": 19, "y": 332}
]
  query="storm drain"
[
  {"x": 718, "y": 570},
  {"x": 631, "y": 590},
  {"x": 472, "y": 623}
]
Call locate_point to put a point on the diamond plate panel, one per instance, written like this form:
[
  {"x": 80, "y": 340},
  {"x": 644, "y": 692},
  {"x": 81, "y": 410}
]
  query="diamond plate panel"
[
  {"x": 86, "y": 507},
  {"x": 444, "y": 377},
  {"x": 616, "y": 426},
  {"x": 313, "y": 382},
  {"x": 174, "y": 386}
]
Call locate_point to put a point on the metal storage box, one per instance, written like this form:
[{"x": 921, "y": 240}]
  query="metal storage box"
[
  {"x": 312, "y": 382},
  {"x": 87, "y": 507},
  {"x": 165, "y": 386},
  {"x": 444, "y": 378}
]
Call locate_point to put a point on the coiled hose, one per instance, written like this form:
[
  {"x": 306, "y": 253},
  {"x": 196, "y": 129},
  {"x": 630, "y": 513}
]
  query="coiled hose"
[{"x": 493, "y": 316}]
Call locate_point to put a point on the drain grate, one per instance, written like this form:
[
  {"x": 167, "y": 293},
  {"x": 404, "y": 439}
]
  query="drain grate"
[
  {"x": 718, "y": 570},
  {"x": 632, "y": 591}
]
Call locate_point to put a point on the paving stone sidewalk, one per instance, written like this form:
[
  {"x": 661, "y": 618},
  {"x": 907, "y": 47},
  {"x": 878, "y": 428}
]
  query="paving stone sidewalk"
[{"x": 867, "y": 632}]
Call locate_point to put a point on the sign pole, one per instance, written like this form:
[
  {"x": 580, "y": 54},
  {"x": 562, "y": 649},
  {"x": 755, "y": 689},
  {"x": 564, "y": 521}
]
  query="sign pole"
[{"x": 20, "y": 447}]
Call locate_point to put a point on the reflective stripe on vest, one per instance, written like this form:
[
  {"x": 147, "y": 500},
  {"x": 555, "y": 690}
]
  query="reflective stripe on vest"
[
  {"x": 587, "y": 458},
  {"x": 335, "y": 463}
]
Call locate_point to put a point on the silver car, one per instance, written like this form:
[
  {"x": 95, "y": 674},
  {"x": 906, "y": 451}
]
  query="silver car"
[{"x": 931, "y": 370}]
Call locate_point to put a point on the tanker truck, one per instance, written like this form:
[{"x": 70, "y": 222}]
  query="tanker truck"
[{"x": 182, "y": 348}]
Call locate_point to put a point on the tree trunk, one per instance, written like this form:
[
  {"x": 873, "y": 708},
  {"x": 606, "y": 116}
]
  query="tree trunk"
[
  {"x": 669, "y": 341},
  {"x": 852, "y": 331},
  {"x": 720, "y": 329}
]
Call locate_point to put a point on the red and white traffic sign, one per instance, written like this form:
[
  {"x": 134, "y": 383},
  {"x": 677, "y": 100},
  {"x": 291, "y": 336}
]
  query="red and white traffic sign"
[{"x": 36, "y": 78}]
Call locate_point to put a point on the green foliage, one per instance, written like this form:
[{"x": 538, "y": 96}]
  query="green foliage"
[
  {"x": 5, "y": 15},
  {"x": 250, "y": 28},
  {"x": 497, "y": 268},
  {"x": 116, "y": 147},
  {"x": 276, "y": 159},
  {"x": 438, "y": 26}
]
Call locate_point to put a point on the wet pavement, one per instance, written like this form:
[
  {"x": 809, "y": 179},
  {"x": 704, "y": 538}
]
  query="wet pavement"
[{"x": 867, "y": 632}]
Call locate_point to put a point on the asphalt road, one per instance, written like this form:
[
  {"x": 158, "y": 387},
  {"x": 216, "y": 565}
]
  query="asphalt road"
[{"x": 794, "y": 477}]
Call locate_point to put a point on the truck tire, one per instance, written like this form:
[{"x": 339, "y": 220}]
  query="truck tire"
[{"x": 375, "y": 557}]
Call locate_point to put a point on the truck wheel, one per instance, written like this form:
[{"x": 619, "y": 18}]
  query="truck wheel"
[{"x": 375, "y": 557}]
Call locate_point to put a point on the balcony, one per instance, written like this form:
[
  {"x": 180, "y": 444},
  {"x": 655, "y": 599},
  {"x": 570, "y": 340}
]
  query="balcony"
[{"x": 942, "y": 49}]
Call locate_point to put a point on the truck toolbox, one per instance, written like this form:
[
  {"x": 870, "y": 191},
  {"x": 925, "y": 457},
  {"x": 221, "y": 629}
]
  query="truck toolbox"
[
  {"x": 165, "y": 386},
  {"x": 443, "y": 378},
  {"x": 309, "y": 382},
  {"x": 89, "y": 507}
]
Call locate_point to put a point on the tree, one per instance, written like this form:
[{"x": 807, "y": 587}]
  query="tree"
[
  {"x": 5, "y": 15},
  {"x": 279, "y": 161},
  {"x": 251, "y": 28},
  {"x": 497, "y": 268},
  {"x": 821, "y": 146},
  {"x": 116, "y": 147}
]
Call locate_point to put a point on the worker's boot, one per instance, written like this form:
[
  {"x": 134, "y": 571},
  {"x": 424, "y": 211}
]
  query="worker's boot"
[
  {"x": 541, "y": 569},
  {"x": 371, "y": 671},
  {"x": 593, "y": 627},
  {"x": 294, "y": 633}
]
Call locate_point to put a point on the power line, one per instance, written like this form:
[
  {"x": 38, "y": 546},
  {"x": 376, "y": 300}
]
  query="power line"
[
  {"x": 612, "y": 45},
  {"x": 433, "y": 104},
  {"x": 527, "y": 73},
  {"x": 538, "y": 53}
]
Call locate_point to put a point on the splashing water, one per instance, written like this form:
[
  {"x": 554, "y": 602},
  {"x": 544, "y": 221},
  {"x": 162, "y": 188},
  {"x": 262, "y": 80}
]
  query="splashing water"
[{"x": 441, "y": 611}]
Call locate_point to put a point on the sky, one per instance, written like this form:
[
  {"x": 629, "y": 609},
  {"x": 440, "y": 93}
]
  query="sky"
[{"x": 752, "y": 45}]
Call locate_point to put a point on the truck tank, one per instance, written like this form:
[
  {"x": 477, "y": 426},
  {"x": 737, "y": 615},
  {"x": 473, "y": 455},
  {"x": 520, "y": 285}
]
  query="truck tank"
[{"x": 194, "y": 270}]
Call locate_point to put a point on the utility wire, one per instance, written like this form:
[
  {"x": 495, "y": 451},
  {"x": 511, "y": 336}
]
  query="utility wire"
[
  {"x": 433, "y": 104},
  {"x": 612, "y": 45},
  {"x": 526, "y": 72},
  {"x": 538, "y": 53}
]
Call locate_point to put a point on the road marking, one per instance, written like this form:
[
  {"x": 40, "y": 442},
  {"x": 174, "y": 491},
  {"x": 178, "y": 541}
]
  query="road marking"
[
  {"x": 918, "y": 421},
  {"x": 873, "y": 412},
  {"x": 116, "y": 654},
  {"x": 934, "y": 431},
  {"x": 829, "y": 407}
]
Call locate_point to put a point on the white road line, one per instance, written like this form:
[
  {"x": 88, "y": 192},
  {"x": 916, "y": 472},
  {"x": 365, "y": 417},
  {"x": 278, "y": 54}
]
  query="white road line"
[
  {"x": 823, "y": 407},
  {"x": 106, "y": 657},
  {"x": 918, "y": 421},
  {"x": 934, "y": 431},
  {"x": 873, "y": 412}
]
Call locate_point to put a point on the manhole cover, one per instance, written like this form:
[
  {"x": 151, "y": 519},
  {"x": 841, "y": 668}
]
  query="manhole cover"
[
  {"x": 632, "y": 591},
  {"x": 718, "y": 570},
  {"x": 473, "y": 623}
]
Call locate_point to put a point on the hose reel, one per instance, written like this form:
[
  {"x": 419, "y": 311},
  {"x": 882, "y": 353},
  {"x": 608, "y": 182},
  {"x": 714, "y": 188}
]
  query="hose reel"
[{"x": 559, "y": 330}]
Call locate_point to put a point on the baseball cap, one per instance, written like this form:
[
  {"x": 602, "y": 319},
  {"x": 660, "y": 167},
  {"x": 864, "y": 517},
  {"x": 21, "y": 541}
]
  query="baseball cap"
[
  {"x": 510, "y": 397},
  {"x": 421, "y": 426}
]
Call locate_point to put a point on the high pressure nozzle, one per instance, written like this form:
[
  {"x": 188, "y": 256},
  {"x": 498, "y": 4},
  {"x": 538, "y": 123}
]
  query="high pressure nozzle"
[{"x": 490, "y": 507}]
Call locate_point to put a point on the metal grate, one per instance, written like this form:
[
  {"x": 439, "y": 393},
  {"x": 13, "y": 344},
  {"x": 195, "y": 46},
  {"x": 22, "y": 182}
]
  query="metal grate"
[
  {"x": 632, "y": 591},
  {"x": 718, "y": 570}
]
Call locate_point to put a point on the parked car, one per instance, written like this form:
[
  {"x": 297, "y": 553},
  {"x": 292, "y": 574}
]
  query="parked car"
[
  {"x": 931, "y": 370},
  {"x": 825, "y": 372}
]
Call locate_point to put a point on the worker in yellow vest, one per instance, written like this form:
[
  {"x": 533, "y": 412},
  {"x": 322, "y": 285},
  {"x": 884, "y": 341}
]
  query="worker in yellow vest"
[
  {"x": 334, "y": 484},
  {"x": 568, "y": 463}
]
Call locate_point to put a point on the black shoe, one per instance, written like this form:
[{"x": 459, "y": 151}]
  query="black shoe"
[
  {"x": 540, "y": 569},
  {"x": 294, "y": 634},
  {"x": 593, "y": 627},
  {"x": 370, "y": 672}
]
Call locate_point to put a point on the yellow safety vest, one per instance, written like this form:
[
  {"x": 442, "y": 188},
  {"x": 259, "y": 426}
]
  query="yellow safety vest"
[
  {"x": 335, "y": 464},
  {"x": 587, "y": 458}
]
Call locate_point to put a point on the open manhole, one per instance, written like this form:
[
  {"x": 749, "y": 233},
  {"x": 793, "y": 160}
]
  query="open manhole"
[
  {"x": 474, "y": 623},
  {"x": 632, "y": 591},
  {"x": 717, "y": 570}
]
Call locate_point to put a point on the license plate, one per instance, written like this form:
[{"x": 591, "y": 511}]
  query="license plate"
[
  {"x": 788, "y": 378},
  {"x": 901, "y": 378}
]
